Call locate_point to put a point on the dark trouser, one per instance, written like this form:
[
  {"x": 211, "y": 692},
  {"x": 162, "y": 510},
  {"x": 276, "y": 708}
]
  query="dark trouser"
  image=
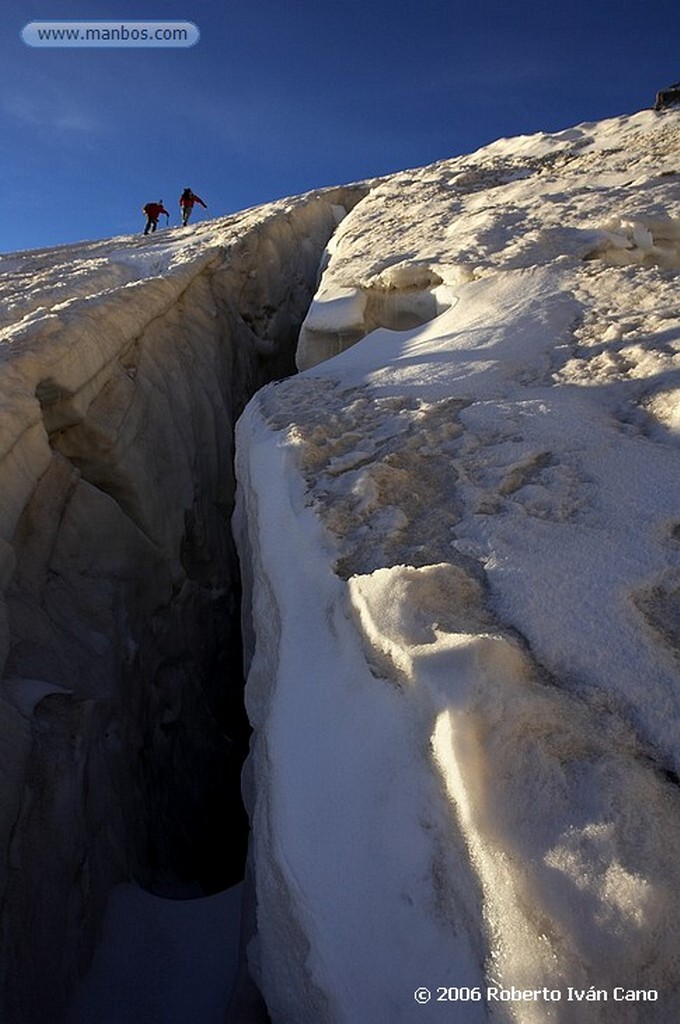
[
  {"x": 151, "y": 223},
  {"x": 186, "y": 213}
]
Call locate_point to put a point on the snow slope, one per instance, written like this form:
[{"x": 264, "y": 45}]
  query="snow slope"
[{"x": 461, "y": 543}]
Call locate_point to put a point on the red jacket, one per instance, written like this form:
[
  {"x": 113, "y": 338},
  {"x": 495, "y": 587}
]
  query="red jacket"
[
  {"x": 153, "y": 210},
  {"x": 190, "y": 200}
]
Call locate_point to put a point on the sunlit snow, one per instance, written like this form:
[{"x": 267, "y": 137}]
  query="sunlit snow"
[{"x": 465, "y": 581}]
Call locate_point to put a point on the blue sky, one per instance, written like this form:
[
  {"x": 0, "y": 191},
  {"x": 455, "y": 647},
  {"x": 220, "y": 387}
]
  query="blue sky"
[{"x": 280, "y": 97}]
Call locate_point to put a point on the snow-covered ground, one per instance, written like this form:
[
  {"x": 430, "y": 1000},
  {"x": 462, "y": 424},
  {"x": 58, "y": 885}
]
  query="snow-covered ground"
[
  {"x": 162, "y": 961},
  {"x": 461, "y": 537}
]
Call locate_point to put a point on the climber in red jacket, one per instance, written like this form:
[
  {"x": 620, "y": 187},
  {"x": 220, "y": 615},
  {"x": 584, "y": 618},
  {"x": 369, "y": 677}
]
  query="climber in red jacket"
[
  {"x": 153, "y": 212},
  {"x": 186, "y": 204}
]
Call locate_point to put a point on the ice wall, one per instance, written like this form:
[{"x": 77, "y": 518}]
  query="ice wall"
[{"x": 124, "y": 366}]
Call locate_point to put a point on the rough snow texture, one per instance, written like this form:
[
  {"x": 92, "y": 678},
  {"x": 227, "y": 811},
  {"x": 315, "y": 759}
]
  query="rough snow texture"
[
  {"x": 123, "y": 366},
  {"x": 463, "y": 546}
]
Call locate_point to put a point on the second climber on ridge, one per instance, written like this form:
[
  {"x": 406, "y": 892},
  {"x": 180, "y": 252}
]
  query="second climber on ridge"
[
  {"x": 186, "y": 204},
  {"x": 152, "y": 212}
]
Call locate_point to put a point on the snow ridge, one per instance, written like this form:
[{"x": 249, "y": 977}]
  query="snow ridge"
[{"x": 468, "y": 739}]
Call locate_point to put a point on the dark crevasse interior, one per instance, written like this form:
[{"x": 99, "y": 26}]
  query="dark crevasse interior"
[{"x": 127, "y": 610}]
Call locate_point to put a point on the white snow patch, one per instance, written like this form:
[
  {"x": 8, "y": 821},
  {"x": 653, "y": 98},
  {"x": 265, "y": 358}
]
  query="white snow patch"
[{"x": 169, "y": 961}]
